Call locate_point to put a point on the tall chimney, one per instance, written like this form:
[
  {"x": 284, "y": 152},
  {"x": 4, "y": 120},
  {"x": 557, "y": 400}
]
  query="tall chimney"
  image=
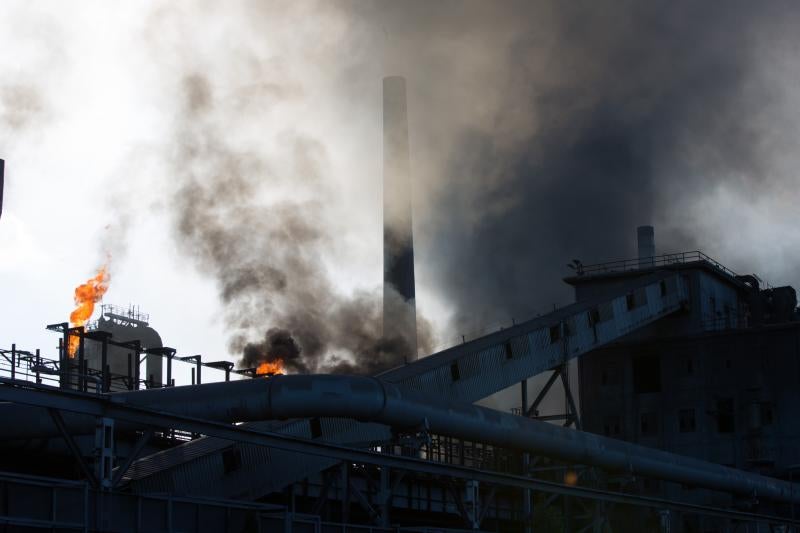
[
  {"x": 399, "y": 306},
  {"x": 647, "y": 245}
]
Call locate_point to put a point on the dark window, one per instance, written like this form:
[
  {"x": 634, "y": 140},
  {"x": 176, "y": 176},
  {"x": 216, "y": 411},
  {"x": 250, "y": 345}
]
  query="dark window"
[
  {"x": 316, "y": 428},
  {"x": 662, "y": 286},
  {"x": 517, "y": 347},
  {"x": 611, "y": 426},
  {"x": 231, "y": 460},
  {"x": 594, "y": 316},
  {"x": 640, "y": 297},
  {"x": 555, "y": 333},
  {"x": 648, "y": 424},
  {"x": 686, "y": 421},
  {"x": 689, "y": 367},
  {"x": 728, "y": 364},
  {"x": 604, "y": 377},
  {"x": 605, "y": 312},
  {"x": 646, "y": 374},
  {"x": 454, "y": 372},
  {"x": 725, "y": 416},
  {"x": 630, "y": 302}
]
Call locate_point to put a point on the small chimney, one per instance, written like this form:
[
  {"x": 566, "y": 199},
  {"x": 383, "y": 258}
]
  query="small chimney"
[{"x": 646, "y": 240}]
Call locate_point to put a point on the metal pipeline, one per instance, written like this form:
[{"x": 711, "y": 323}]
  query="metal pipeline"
[{"x": 371, "y": 400}]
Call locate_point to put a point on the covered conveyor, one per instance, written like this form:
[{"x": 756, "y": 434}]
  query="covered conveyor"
[{"x": 465, "y": 373}]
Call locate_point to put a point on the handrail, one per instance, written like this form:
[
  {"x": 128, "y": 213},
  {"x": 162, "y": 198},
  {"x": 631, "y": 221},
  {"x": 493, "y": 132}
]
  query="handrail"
[{"x": 679, "y": 258}]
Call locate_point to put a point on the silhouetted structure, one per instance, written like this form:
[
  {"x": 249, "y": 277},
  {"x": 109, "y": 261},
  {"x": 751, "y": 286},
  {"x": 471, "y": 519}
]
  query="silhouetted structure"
[{"x": 399, "y": 306}]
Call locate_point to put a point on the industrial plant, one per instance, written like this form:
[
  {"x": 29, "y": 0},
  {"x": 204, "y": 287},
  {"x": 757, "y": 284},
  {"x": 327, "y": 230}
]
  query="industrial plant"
[{"x": 683, "y": 419}]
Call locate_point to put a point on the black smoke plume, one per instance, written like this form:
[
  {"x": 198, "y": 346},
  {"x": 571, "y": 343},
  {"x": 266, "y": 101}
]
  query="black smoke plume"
[
  {"x": 540, "y": 132},
  {"x": 601, "y": 117},
  {"x": 267, "y": 256},
  {"x": 277, "y": 345}
]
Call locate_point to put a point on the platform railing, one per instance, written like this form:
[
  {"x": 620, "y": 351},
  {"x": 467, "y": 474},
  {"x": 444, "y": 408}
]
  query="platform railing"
[{"x": 639, "y": 263}]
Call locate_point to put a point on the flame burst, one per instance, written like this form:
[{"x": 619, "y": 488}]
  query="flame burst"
[
  {"x": 270, "y": 367},
  {"x": 86, "y": 295}
]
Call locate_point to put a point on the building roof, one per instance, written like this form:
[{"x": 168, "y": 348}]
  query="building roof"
[{"x": 632, "y": 268}]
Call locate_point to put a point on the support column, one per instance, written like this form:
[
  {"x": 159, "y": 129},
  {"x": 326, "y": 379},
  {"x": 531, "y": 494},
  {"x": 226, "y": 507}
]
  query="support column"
[
  {"x": 169, "y": 368},
  {"x": 527, "y": 494},
  {"x": 345, "y": 477},
  {"x": 105, "y": 370},
  {"x": 104, "y": 452},
  {"x": 38, "y": 367},
  {"x": 81, "y": 358},
  {"x": 63, "y": 357},
  {"x": 472, "y": 502},
  {"x": 386, "y": 496}
]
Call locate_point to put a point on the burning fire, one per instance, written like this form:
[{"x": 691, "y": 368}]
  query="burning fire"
[
  {"x": 273, "y": 367},
  {"x": 86, "y": 295}
]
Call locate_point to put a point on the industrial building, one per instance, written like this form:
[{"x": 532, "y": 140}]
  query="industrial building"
[
  {"x": 688, "y": 381},
  {"x": 688, "y": 374}
]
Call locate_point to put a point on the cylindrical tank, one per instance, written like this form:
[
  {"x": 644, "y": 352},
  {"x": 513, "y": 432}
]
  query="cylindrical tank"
[{"x": 126, "y": 325}]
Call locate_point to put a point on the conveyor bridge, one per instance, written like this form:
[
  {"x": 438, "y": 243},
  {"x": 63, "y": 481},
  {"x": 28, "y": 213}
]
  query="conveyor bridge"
[{"x": 467, "y": 372}]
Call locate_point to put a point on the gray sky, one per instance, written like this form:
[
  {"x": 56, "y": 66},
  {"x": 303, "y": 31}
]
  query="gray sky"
[{"x": 697, "y": 108}]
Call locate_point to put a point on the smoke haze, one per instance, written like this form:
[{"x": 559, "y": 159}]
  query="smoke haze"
[
  {"x": 568, "y": 125},
  {"x": 540, "y": 132}
]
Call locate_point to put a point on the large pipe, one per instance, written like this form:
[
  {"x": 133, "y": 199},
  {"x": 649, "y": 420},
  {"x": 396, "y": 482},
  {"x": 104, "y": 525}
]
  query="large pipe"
[
  {"x": 399, "y": 304},
  {"x": 371, "y": 400}
]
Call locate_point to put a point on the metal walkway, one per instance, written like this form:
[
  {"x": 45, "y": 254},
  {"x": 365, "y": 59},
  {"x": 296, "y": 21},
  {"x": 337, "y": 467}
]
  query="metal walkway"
[{"x": 480, "y": 368}]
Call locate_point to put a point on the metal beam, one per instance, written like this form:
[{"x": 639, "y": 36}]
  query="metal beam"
[
  {"x": 327, "y": 481},
  {"x": 132, "y": 456},
  {"x": 487, "y": 503},
  {"x": 73, "y": 446},
  {"x": 542, "y": 393},
  {"x": 374, "y": 515},
  {"x": 575, "y": 418}
]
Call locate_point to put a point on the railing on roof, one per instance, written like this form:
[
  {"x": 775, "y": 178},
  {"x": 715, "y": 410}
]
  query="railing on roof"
[
  {"x": 649, "y": 262},
  {"x": 132, "y": 312}
]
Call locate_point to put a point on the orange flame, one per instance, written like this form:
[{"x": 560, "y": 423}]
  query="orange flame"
[
  {"x": 274, "y": 367},
  {"x": 86, "y": 295}
]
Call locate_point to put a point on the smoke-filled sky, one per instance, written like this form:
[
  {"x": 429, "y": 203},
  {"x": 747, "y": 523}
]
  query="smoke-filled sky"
[{"x": 228, "y": 157}]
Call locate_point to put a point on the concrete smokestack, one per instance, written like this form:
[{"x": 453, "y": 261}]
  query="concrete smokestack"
[
  {"x": 399, "y": 307},
  {"x": 645, "y": 236}
]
